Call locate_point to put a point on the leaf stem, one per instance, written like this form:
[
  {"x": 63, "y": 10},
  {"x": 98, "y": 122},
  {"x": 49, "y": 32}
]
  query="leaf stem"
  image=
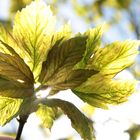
[
  {"x": 22, "y": 120},
  {"x": 41, "y": 87}
]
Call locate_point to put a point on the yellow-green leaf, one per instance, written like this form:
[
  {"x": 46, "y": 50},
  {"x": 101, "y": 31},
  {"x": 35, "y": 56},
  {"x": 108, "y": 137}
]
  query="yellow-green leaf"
[
  {"x": 58, "y": 71},
  {"x": 64, "y": 33},
  {"x": 9, "y": 108},
  {"x": 88, "y": 109},
  {"x": 15, "y": 76},
  {"x": 93, "y": 43},
  {"x": 14, "y": 89},
  {"x": 7, "y": 38},
  {"x": 33, "y": 28},
  {"x": 78, "y": 120},
  {"x": 12, "y": 65},
  {"x": 100, "y": 91},
  {"x": 114, "y": 57},
  {"x": 47, "y": 115}
]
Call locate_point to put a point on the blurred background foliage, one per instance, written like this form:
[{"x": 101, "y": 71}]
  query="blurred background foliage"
[
  {"x": 122, "y": 16},
  {"x": 94, "y": 11}
]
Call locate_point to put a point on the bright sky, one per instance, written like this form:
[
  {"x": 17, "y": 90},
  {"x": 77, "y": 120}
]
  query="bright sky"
[
  {"x": 109, "y": 124},
  {"x": 3, "y": 8}
]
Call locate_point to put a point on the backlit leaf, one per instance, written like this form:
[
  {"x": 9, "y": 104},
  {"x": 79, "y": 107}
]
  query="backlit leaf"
[
  {"x": 58, "y": 38},
  {"x": 58, "y": 71},
  {"x": 100, "y": 91},
  {"x": 9, "y": 108},
  {"x": 114, "y": 57},
  {"x": 47, "y": 115},
  {"x": 88, "y": 109},
  {"x": 14, "y": 89},
  {"x": 15, "y": 76},
  {"x": 33, "y": 28},
  {"x": 13, "y": 62},
  {"x": 78, "y": 120},
  {"x": 7, "y": 38},
  {"x": 64, "y": 33},
  {"x": 92, "y": 44}
]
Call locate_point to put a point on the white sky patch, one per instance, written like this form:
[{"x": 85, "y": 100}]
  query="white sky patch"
[
  {"x": 124, "y": 75},
  {"x": 4, "y": 6},
  {"x": 67, "y": 95},
  {"x": 111, "y": 124},
  {"x": 32, "y": 130},
  {"x": 65, "y": 130},
  {"x": 43, "y": 93}
]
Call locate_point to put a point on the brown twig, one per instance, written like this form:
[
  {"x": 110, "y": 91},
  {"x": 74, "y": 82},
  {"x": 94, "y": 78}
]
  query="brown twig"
[{"x": 22, "y": 120}]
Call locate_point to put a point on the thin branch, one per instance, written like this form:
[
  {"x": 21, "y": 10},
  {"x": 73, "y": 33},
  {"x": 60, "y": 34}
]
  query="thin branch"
[
  {"x": 22, "y": 120},
  {"x": 134, "y": 23}
]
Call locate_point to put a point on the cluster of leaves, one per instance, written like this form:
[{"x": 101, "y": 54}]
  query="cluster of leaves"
[{"x": 33, "y": 52}]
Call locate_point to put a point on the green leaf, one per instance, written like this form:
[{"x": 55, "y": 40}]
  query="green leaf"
[
  {"x": 58, "y": 71},
  {"x": 13, "y": 62},
  {"x": 14, "y": 89},
  {"x": 15, "y": 76},
  {"x": 9, "y": 108},
  {"x": 114, "y": 57},
  {"x": 47, "y": 115},
  {"x": 63, "y": 34},
  {"x": 7, "y": 38},
  {"x": 16, "y": 79},
  {"x": 88, "y": 109},
  {"x": 78, "y": 120},
  {"x": 48, "y": 67},
  {"x": 33, "y": 28},
  {"x": 100, "y": 91},
  {"x": 92, "y": 45}
]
